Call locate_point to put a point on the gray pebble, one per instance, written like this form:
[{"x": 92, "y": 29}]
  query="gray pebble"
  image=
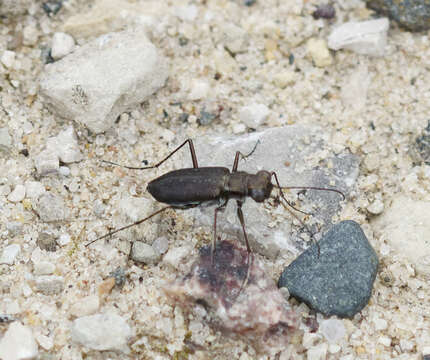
[
  {"x": 51, "y": 207},
  {"x": 339, "y": 281},
  {"x": 46, "y": 162},
  {"x": 119, "y": 275},
  {"x": 413, "y": 15},
  {"x": 50, "y": 284},
  {"x": 420, "y": 149},
  {"x": 161, "y": 245},
  {"x": 46, "y": 241}
]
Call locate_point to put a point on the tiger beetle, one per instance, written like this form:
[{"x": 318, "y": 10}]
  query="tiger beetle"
[{"x": 190, "y": 187}]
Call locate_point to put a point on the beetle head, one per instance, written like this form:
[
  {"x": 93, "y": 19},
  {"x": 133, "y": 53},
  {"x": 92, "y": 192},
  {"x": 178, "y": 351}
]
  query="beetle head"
[{"x": 260, "y": 186}]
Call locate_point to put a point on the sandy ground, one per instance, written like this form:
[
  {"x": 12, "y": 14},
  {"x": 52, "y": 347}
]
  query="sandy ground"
[{"x": 374, "y": 107}]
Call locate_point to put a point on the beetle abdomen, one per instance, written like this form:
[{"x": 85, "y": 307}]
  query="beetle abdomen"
[{"x": 189, "y": 186}]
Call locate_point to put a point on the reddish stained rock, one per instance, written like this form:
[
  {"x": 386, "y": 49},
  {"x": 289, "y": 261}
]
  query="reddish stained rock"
[{"x": 257, "y": 311}]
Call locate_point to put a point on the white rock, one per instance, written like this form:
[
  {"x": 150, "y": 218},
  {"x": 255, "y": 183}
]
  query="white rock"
[
  {"x": 285, "y": 78},
  {"x": 18, "y": 343},
  {"x": 34, "y": 189},
  {"x": 144, "y": 253},
  {"x": 376, "y": 207},
  {"x": 18, "y": 194},
  {"x": 318, "y": 352},
  {"x": 254, "y": 115},
  {"x": 161, "y": 245},
  {"x": 51, "y": 207},
  {"x": 62, "y": 44},
  {"x": 187, "y": 13},
  {"x": 199, "y": 90},
  {"x": 235, "y": 38},
  {"x": 44, "y": 268},
  {"x": 8, "y": 58},
  {"x": 49, "y": 284},
  {"x": 64, "y": 239},
  {"x": 86, "y": 306},
  {"x": 77, "y": 87},
  {"x": 318, "y": 52},
  {"x": 64, "y": 170},
  {"x": 46, "y": 162},
  {"x": 366, "y": 37},
  {"x": 102, "y": 332},
  {"x": 385, "y": 340},
  {"x": 30, "y": 34},
  {"x": 9, "y": 254},
  {"x": 174, "y": 257},
  {"x": 5, "y": 139},
  {"x": 333, "y": 330},
  {"x": 44, "y": 341},
  {"x": 406, "y": 228},
  {"x": 65, "y": 146}
]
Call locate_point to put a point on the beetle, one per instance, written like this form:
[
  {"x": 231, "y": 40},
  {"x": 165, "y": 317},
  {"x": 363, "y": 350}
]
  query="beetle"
[{"x": 190, "y": 187}]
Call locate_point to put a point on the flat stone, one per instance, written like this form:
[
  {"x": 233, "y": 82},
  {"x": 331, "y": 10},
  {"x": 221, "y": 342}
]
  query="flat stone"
[
  {"x": 34, "y": 189},
  {"x": 102, "y": 332},
  {"x": 76, "y": 87},
  {"x": 365, "y": 37},
  {"x": 406, "y": 227},
  {"x": 18, "y": 343},
  {"x": 339, "y": 280},
  {"x": 85, "y": 306},
  {"x": 5, "y": 140},
  {"x": 285, "y": 150}
]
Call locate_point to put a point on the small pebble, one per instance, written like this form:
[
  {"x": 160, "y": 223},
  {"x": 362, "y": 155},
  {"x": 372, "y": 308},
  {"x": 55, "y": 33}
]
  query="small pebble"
[
  {"x": 86, "y": 306},
  {"x": 34, "y": 189},
  {"x": 8, "y": 58},
  {"x": 338, "y": 280},
  {"x": 254, "y": 115},
  {"x": 46, "y": 241},
  {"x": 119, "y": 275},
  {"x": 49, "y": 284},
  {"x": 420, "y": 148},
  {"x": 5, "y": 140},
  {"x": 333, "y": 330},
  {"x": 199, "y": 90},
  {"x": 376, "y": 207},
  {"x": 45, "y": 342},
  {"x": 106, "y": 286},
  {"x": 9, "y": 254},
  {"x": 366, "y": 37},
  {"x": 44, "y": 268},
  {"x": 14, "y": 227},
  {"x": 318, "y": 51},
  {"x": 52, "y": 7},
  {"x": 18, "y": 343},
  {"x": 175, "y": 256},
  {"x": 161, "y": 245},
  {"x": 102, "y": 332},
  {"x": 324, "y": 11},
  {"x": 46, "y": 162},
  {"x": 62, "y": 44},
  {"x": 144, "y": 253},
  {"x": 65, "y": 146},
  {"x": 51, "y": 207},
  {"x": 18, "y": 194}
]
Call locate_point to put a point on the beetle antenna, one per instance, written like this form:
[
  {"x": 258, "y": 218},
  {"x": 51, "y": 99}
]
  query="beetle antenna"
[
  {"x": 127, "y": 167},
  {"x": 313, "y": 188}
]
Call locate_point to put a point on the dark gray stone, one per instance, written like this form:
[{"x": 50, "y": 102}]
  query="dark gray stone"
[
  {"x": 420, "y": 149},
  {"x": 413, "y": 15},
  {"x": 339, "y": 281}
]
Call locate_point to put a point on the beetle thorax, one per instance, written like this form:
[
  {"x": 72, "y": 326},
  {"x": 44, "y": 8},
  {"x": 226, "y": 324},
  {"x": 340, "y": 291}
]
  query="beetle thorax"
[{"x": 260, "y": 185}]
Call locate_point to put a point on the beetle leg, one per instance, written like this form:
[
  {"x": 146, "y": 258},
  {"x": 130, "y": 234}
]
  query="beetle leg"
[
  {"x": 192, "y": 151},
  {"x": 219, "y": 208},
  {"x": 238, "y": 153}
]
